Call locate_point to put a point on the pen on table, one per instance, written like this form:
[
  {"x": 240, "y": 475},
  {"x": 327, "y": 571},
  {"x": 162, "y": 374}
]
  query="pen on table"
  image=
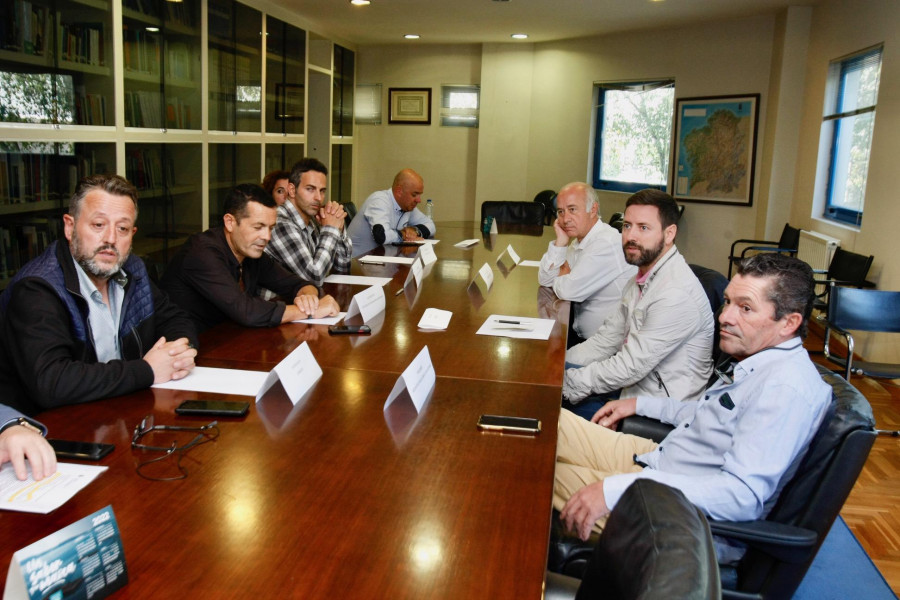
[
  {"x": 509, "y": 322},
  {"x": 398, "y": 292}
]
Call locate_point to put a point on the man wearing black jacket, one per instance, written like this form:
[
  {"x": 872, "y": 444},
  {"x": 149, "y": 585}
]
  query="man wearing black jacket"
[{"x": 83, "y": 320}]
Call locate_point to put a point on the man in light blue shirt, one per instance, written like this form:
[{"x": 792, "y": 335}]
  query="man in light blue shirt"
[
  {"x": 730, "y": 448},
  {"x": 390, "y": 216}
]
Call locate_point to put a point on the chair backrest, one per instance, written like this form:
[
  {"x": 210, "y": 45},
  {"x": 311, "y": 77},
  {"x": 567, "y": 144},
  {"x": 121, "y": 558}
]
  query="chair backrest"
[
  {"x": 816, "y": 487},
  {"x": 790, "y": 237},
  {"x": 516, "y": 213},
  {"x": 616, "y": 220},
  {"x": 547, "y": 198},
  {"x": 864, "y": 310},
  {"x": 350, "y": 209},
  {"x": 849, "y": 267},
  {"x": 714, "y": 284},
  {"x": 656, "y": 544}
]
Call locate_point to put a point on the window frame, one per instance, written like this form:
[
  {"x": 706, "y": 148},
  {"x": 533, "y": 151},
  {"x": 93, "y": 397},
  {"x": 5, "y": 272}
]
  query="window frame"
[
  {"x": 451, "y": 117},
  {"x": 839, "y": 69},
  {"x": 601, "y": 89}
]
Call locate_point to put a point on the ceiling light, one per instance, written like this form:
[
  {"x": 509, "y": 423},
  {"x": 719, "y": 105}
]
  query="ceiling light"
[
  {"x": 519, "y": 36},
  {"x": 153, "y": 29},
  {"x": 360, "y": 2},
  {"x": 411, "y": 36}
]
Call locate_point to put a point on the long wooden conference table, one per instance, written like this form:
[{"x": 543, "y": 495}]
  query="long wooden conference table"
[{"x": 336, "y": 497}]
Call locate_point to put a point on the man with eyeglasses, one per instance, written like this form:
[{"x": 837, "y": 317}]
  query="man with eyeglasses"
[
  {"x": 729, "y": 448},
  {"x": 591, "y": 271},
  {"x": 83, "y": 320}
]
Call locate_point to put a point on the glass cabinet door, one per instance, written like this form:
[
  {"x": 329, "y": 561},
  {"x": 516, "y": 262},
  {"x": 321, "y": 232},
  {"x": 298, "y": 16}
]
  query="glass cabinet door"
[
  {"x": 161, "y": 55},
  {"x": 281, "y": 157},
  {"x": 55, "y": 64},
  {"x": 229, "y": 165},
  {"x": 169, "y": 196},
  {"x": 285, "y": 77},
  {"x": 235, "y": 66},
  {"x": 36, "y": 181},
  {"x": 342, "y": 92}
]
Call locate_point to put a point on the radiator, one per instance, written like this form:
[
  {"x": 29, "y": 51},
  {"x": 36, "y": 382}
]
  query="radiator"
[{"x": 816, "y": 249}]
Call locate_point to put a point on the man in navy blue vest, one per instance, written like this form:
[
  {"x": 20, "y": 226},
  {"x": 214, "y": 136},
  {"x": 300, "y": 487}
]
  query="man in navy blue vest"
[{"x": 83, "y": 320}]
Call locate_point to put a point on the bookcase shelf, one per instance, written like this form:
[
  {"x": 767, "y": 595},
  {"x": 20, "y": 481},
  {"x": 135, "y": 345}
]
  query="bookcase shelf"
[{"x": 184, "y": 152}]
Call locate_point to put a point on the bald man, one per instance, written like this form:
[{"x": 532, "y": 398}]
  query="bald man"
[{"x": 390, "y": 216}]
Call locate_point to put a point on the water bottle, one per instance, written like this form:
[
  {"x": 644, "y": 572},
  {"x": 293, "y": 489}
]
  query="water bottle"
[{"x": 429, "y": 209}]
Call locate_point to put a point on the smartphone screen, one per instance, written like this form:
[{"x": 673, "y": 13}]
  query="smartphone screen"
[
  {"x": 80, "y": 450},
  {"x": 511, "y": 424},
  {"x": 214, "y": 408}
]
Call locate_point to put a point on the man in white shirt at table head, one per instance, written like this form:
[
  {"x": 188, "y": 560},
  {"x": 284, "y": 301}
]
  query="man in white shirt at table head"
[{"x": 591, "y": 271}]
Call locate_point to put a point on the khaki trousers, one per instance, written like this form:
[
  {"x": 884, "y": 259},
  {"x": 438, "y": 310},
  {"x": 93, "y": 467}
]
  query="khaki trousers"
[{"x": 587, "y": 453}]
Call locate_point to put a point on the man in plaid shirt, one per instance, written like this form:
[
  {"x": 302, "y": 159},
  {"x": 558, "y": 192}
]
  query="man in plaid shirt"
[{"x": 309, "y": 237}]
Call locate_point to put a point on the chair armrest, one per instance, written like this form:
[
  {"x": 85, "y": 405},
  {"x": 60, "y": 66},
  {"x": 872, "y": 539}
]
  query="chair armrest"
[
  {"x": 746, "y": 241},
  {"x": 645, "y": 427},
  {"x": 771, "y": 248},
  {"x": 784, "y": 542}
]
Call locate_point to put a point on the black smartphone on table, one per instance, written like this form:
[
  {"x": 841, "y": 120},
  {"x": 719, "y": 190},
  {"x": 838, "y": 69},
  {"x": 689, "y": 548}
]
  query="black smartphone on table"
[
  {"x": 79, "y": 450},
  {"x": 213, "y": 408},
  {"x": 349, "y": 330},
  {"x": 509, "y": 424}
]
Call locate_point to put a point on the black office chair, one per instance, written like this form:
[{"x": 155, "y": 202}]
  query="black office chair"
[
  {"x": 786, "y": 244},
  {"x": 350, "y": 209},
  {"x": 547, "y": 198},
  {"x": 852, "y": 309},
  {"x": 780, "y": 547},
  {"x": 846, "y": 269},
  {"x": 513, "y": 213},
  {"x": 656, "y": 544},
  {"x": 616, "y": 220}
]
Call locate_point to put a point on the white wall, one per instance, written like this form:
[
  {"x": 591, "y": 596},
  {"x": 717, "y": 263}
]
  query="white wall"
[{"x": 444, "y": 156}]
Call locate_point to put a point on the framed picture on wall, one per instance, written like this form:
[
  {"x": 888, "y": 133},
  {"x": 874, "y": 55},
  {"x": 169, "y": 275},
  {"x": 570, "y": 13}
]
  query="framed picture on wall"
[
  {"x": 715, "y": 149},
  {"x": 410, "y": 106}
]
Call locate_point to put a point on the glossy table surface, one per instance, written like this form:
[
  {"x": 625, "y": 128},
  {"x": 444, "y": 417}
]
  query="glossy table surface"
[{"x": 337, "y": 497}]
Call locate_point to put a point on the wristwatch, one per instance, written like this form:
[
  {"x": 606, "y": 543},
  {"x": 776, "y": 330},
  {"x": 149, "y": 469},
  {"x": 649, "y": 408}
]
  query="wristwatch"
[{"x": 24, "y": 423}]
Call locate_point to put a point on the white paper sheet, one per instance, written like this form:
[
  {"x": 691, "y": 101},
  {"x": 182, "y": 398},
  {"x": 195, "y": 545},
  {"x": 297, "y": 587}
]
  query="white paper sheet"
[
  {"x": 358, "y": 280},
  {"x": 466, "y": 243},
  {"x": 47, "y": 494},
  {"x": 324, "y": 320},
  {"x": 374, "y": 260},
  {"x": 221, "y": 381},
  {"x": 435, "y": 318},
  {"x": 517, "y": 327},
  {"x": 530, "y": 263}
]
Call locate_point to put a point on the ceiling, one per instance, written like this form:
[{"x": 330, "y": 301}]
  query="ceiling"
[{"x": 478, "y": 21}]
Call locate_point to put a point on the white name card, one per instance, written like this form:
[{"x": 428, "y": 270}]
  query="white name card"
[
  {"x": 298, "y": 372},
  {"x": 415, "y": 273},
  {"x": 487, "y": 274},
  {"x": 513, "y": 255},
  {"x": 493, "y": 226},
  {"x": 85, "y": 559},
  {"x": 367, "y": 303},
  {"x": 418, "y": 379},
  {"x": 426, "y": 253}
]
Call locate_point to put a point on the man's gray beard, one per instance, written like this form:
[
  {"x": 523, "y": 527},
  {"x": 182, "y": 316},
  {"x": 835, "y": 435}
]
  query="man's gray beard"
[
  {"x": 90, "y": 266},
  {"x": 647, "y": 255}
]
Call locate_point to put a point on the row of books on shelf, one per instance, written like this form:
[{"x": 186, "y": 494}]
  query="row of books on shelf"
[
  {"x": 142, "y": 109},
  {"x": 24, "y": 27},
  {"x": 25, "y": 239},
  {"x": 82, "y": 43},
  {"x": 90, "y": 109},
  {"x": 26, "y": 178},
  {"x": 183, "y": 13},
  {"x": 144, "y": 168},
  {"x": 141, "y": 50}
]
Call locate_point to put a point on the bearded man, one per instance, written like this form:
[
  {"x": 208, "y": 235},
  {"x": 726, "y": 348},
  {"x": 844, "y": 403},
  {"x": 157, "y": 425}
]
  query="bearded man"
[
  {"x": 658, "y": 340},
  {"x": 83, "y": 320}
]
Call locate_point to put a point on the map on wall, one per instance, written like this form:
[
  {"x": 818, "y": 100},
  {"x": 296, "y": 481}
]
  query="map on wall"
[{"x": 715, "y": 149}]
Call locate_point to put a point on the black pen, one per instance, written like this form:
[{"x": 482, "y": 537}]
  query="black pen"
[{"x": 509, "y": 322}]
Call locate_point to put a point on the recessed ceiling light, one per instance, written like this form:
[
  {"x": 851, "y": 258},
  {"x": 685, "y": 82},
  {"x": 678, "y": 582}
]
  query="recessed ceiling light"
[
  {"x": 360, "y": 2},
  {"x": 519, "y": 36},
  {"x": 411, "y": 36},
  {"x": 153, "y": 29}
]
